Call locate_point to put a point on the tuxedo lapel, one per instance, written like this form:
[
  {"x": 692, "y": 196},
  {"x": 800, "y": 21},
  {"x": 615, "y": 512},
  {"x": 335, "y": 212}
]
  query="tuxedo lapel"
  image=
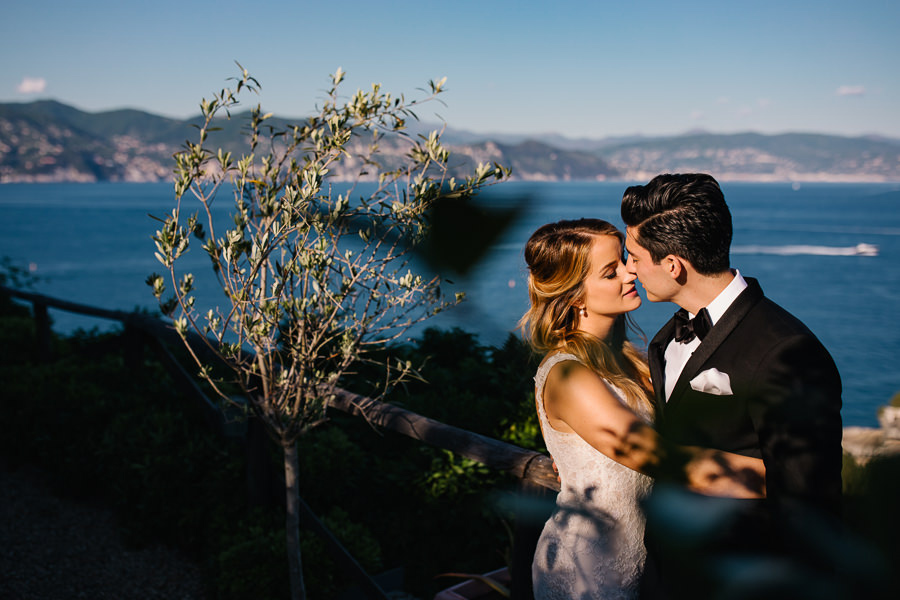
[
  {"x": 717, "y": 335},
  {"x": 656, "y": 359}
]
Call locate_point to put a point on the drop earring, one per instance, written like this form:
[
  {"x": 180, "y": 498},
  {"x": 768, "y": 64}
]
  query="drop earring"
[{"x": 583, "y": 312}]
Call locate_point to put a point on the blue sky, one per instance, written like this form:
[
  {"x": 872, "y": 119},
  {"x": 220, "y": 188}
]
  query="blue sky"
[{"x": 586, "y": 68}]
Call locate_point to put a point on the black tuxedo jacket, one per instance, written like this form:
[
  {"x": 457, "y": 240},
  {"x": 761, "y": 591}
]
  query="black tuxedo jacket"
[{"x": 785, "y": 409}]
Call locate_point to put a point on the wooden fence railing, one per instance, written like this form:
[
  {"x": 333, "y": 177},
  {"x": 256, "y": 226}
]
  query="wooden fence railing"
[{"x": 142, "y": 331}]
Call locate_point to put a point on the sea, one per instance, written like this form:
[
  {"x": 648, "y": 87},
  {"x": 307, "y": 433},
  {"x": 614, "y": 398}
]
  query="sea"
[{"x": 827, "y": 252}]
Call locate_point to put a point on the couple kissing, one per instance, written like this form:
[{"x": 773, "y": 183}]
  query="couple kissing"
[{"x": 729, "y": 425}]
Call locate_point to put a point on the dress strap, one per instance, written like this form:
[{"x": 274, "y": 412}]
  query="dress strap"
[{"x": 543, "y": 371}]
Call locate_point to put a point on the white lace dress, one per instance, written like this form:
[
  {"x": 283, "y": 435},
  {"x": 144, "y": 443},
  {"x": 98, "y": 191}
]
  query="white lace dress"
[{"x": 593, "y": 545}]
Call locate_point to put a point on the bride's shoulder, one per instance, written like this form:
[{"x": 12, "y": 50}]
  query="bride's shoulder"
[
  {"x": 568, "y": 380},
  {"x": 566, "y": 372},
  {"x": 554, "y": 358},
  {"x": 555, "y": 362}
]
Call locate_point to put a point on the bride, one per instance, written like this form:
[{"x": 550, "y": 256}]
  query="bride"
[{"x": 593, "y": 401}]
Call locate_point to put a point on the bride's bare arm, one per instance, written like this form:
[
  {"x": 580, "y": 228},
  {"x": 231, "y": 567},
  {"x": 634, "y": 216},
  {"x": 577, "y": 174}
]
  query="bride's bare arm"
[{"x": 578, "y": 401}]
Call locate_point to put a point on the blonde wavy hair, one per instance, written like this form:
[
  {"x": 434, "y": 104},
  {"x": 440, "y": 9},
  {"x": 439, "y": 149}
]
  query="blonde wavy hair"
[{"x": 558, "y": 258}]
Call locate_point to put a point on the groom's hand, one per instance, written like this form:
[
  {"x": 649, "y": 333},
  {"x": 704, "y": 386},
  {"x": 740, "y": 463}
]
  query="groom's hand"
[{"x": 717, "y": 473}]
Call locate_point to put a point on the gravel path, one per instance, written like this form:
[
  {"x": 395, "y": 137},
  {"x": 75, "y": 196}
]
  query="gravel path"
[{"x": 53, "y": 548}]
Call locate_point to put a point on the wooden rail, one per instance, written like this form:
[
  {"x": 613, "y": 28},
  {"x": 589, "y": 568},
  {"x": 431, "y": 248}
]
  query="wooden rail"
[
  {"x": 532, "y": 468},
  {"x": 525, "y": 464}
]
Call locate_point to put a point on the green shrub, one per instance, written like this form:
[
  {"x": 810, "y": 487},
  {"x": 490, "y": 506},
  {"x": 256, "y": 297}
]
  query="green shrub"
[
  {"x": 17, "y": 340},
  {"x": 126, "y": 437},
  {"x": 853, "y": 476},
  {"x": 251, "y": 552}
]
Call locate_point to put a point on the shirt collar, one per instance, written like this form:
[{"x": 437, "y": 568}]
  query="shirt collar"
[{"x": 720, "y": 304}]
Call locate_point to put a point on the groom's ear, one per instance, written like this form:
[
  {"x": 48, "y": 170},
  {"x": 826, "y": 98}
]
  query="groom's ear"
[{"x": 673, "y": 265}]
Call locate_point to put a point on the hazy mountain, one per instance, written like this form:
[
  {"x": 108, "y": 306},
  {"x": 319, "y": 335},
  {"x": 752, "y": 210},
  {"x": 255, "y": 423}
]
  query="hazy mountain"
[
  {"x": 753, "y": 156},
  {"x": 50, "y": 141},
  {"x": 461, "y": 136}
]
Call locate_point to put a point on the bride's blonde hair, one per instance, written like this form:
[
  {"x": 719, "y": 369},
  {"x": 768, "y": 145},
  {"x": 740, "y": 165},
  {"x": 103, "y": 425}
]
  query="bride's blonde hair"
[{"x": 558, "y": 258}]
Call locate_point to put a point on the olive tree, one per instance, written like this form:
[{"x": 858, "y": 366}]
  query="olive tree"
[{"x": 315, "y": 263}]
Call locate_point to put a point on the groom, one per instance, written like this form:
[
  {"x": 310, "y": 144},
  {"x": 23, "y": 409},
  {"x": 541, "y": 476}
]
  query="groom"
[{"x": 733, "y": 371}]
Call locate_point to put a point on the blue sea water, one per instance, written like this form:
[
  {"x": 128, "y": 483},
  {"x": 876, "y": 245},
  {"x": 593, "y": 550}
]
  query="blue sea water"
[{"x": 90, "y": 243}]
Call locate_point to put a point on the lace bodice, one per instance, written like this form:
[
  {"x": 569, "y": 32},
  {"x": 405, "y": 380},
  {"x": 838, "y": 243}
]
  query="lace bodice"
[{"x": 593, "y": 546}]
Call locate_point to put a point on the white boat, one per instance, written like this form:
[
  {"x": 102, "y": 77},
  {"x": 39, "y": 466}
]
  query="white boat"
[
  {"x": 857, "y": 250},
  {"x": 866, "y": 250}
]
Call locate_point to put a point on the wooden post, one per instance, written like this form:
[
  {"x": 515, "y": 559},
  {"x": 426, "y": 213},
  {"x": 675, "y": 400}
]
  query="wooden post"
[
  {"x": 533, "y": 506},
  {"x": 261, "y": 475},
  {"x": 134, "y": 347},
  {"x": 43, "y": 332}
]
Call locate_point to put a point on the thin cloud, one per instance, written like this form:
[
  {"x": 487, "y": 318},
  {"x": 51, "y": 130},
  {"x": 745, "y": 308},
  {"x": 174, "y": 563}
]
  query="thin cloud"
[
  {"x": 697, "y": 115},
  {"x": 851, "y": 90},
  {"x": 32, "y": 85}
]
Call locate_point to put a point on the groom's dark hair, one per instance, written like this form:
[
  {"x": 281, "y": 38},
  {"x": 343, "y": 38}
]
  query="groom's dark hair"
[{"x": 684, "y": 215}]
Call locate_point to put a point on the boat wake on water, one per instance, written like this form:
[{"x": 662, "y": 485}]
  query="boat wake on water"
[{"x": 857, "y": 250}]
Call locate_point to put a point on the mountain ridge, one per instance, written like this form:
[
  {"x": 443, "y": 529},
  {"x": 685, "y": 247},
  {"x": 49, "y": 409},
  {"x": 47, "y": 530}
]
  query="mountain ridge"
[{"x": 48, "y": 140}]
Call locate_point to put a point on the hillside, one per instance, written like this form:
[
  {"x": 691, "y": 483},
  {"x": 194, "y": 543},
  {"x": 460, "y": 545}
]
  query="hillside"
[{"x": 50, "y": 141}]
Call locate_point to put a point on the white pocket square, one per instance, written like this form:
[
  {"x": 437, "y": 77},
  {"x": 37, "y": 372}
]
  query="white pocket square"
[{"x": 712, "y": 381}]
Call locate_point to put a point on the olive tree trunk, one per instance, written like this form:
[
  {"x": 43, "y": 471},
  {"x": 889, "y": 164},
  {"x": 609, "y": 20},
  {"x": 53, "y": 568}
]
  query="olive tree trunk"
[{"x": 292, "y": 519}]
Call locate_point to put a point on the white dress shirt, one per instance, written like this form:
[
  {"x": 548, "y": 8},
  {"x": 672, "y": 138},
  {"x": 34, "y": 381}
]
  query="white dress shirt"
[{"x": 678, "y": 353}]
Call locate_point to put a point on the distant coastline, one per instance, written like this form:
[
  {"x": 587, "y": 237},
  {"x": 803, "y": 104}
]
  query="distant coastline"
[{"x": 50, "y": 142}]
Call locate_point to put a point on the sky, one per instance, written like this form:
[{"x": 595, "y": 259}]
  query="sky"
[{"x": 587, "y": 68}]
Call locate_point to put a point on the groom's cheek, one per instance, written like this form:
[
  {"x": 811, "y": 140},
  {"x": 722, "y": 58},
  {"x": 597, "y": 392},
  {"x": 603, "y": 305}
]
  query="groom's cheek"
[{"x": 650, "y": 295}]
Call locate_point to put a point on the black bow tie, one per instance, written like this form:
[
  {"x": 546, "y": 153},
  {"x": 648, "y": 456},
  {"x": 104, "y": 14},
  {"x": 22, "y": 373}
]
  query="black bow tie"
[{"x": 686, "y": 328}]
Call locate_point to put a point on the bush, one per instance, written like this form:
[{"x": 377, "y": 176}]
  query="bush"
[
  {"x": 871, "y": 497},
  {"x": 250, "y": 549},
  {"x": 123, "y": 436}
]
